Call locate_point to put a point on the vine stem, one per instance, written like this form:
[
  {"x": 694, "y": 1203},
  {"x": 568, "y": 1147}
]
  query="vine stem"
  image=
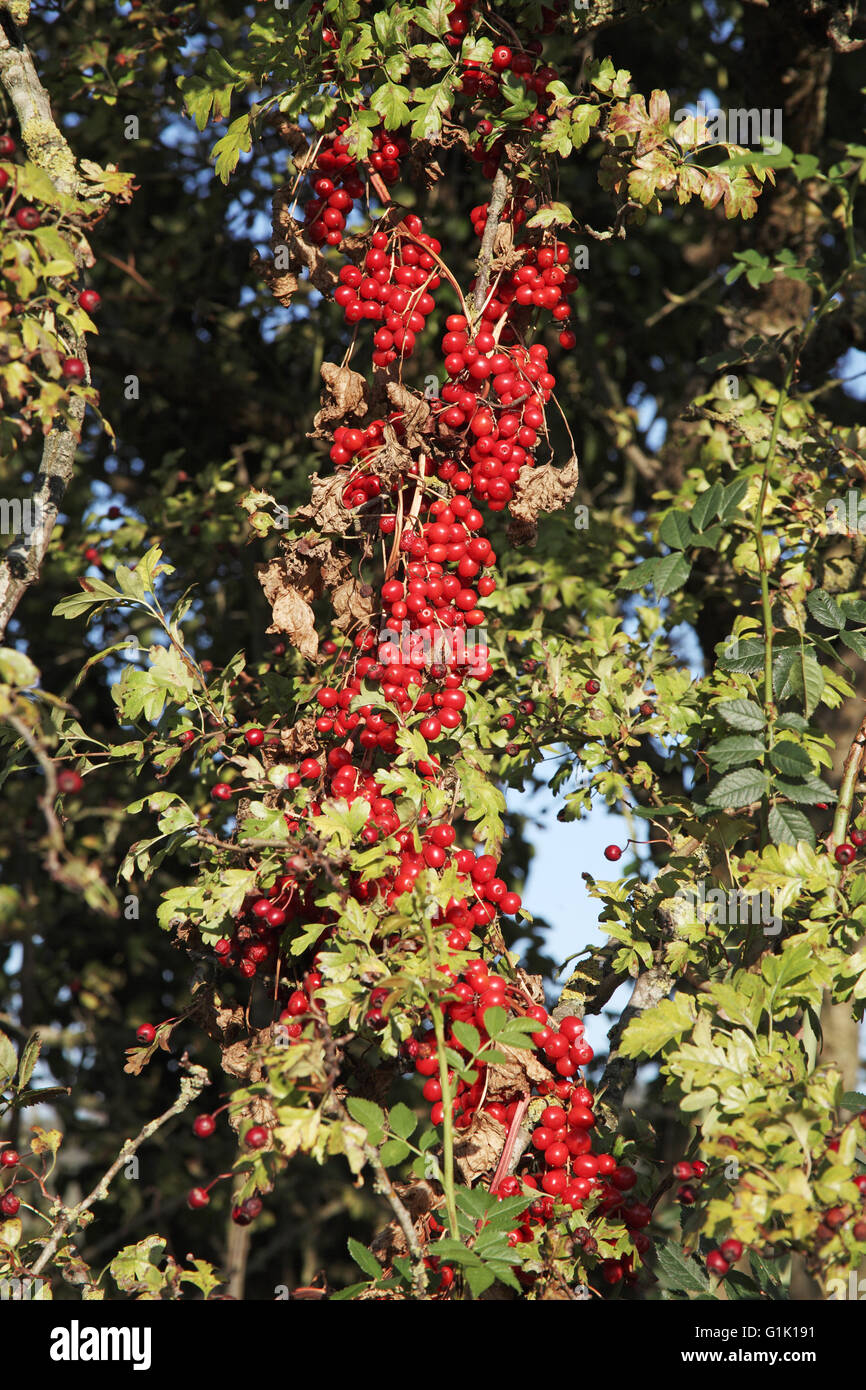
[
  {"x": 498, "y": 195},
  {"x": 850, "y": 773},
  {"x": 191, "y": 1087}
]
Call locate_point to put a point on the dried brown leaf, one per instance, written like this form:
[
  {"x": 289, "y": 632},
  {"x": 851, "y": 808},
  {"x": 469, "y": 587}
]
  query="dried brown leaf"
[
  {"x": 514, "y": 1076},
  {"x": 326, "y": 509},
  {"x": 477, "y": 1151},
  {"x": 347, "y": 389},
  {"x": 290, "y": 610},
  {"x": 416, "y": 413},
  {"x": 544, "y": 489}
]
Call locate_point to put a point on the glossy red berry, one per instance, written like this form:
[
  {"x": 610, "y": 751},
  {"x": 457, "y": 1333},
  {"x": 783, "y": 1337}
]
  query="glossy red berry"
[
  {"x": 221, "y": 791},
  {"x": 145, "y": 1032},
  {"x": 256, "y": 1137},
  {"x": 197, "y": 1197},
  {"x": 73, "y": 369},
  {"x": 7, "y": 145},
  {"x": 844, "y": 854},
  {"x": 69, "y": 781},
  {"x": 613, "y": 853},
  {"x": 717, "y": 1264},
  {"x": 9, "y": 1158},
  {"x": 255, "y": 737},
  {"x": 9, "y": 1204},
  {"x": 203, "y": 1126},
  {"x": 28, "y": 219},
  {"x": 89, "y": 301},
  {"x": 732, "y": 1250}
]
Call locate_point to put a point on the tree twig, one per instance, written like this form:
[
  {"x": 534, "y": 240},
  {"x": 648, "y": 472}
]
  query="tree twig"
[{"x": 191, "y": 1087}]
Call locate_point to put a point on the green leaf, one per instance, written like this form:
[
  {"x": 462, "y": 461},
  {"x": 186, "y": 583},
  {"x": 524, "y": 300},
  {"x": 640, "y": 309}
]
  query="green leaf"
[
  {"x": 742, "y": 714},
  {"x": 671, "y": 573},
  {"x": 676, "y": 530},
  {"x": 370, "y": 1115},
  {"x": 790, "y": 759},
  {"x": 495, "y": 1020},
  {"x": 467, "y": 1036},
  {"x": 364, "y": 1258},
  {"x": 640, "y": 576},
  {"x": 402, "y": 1120},
  {"x": 739, "y": 788},
  {"x": 394, "y": 1151},
  {"x": 706, "y": 506},
  {"x": 17, "y": 669},
  {"x": 853, "y": 1100},
  {"x": 747, "y": 657},
  {"x": 855, "y": 642},
  {"x": 680, "y": 1272},
  {"x": 653, "y": 1030},
  {"x": 805, "y": 680},
  {"x": 825, "y": 610},
  {"x": 787, "y": 826},
  {"x": 765, "y": 1275},
  {"x": 390, "y": 100},
  {"x": 8, "y": 1060},
  {"x": 735, "y": 751},
  {"x": 227, "y": 151},
  {"x": 29, "y": 1058},
  {"x": 733, "y": 496}
]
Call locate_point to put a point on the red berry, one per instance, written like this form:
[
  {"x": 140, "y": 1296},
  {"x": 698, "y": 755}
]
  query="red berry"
[
  {"x": 717, "y": 1264},
  {"x": 197, "y": 1197},
  {"x": 613, "y": 853},
  {"x": 69, "y": 781},
  {"x": 28, "y": 219},
  {"x": 89, "y": 300},
  {"x": 73, "y": 368},
  {"x": 7, "y": 145},
  {"x": 145, "y": 1032},
  {"x": 255, "y": 737},
  {"x": 221, "y": 791},
  {"x": 9, "y": 1158},
  {"x": 9, "y": 1204},
  {"x": 732, "y": 1250},
  {"x": 843, "y": 854},
  {"x": 257, "y": 1137},
  {"x": 203, "y": 1126}
]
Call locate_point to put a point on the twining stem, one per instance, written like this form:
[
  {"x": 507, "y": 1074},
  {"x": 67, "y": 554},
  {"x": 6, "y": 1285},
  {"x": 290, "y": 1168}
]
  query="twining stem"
[{"x": 850, "y": 773}]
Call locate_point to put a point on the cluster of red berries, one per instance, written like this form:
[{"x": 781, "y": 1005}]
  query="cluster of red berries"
[
  {"x": 337, "y": 183},
  {"x": 687, "y": 1173},
  {"x": 9, "y": 1203},
  {"x": 393, "y": 289}
]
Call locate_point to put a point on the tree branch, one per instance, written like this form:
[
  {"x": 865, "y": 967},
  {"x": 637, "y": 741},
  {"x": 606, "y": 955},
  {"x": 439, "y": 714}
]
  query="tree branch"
[
  {"x": 191, "y": 1087},
  {"x": 47, "y": 147}
]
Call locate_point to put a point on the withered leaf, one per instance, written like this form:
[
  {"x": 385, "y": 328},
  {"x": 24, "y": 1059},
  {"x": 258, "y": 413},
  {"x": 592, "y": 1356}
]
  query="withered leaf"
[
  {"x": 348, "y": 391},
  {"x": 290, "y": 610},
  {"x": 301, "y": 738},
  {"x": 326, "y": 509},
  {"x": 544, "y": 489},
  {"x": 478, "y": 1149},
  {"x": 513, "y": 1077},
  {"x": 416, "y": 412}
]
